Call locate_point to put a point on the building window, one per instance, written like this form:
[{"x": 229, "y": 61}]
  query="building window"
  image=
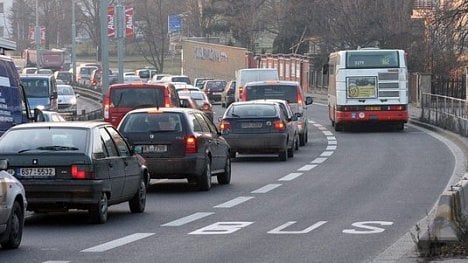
[{"x": 424, "y": 4}]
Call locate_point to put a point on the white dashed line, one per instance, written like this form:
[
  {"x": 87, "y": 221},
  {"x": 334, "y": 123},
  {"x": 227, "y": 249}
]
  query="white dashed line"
[
  {"x": 267, "y": 188},
  {"x": 327, "y": 133},
  {"x": 188, "y": 219},
  {"x": 331, "y": 148},
  {"x": 290, "y": 177},
  {"x": 118, "y": 242},
  {"x": 319, "y": 160},
  {"x": 234, "y": 202},
  {"x": 307, "y": 167},
  {"x": 327, "y": 153},
  {"x": 331, "y": 138},
  {"x": 332, "y": 142}
]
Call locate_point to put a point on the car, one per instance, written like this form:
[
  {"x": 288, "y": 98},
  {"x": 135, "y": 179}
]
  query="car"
[
  {"x": 13, "y": 208},
  {"x": 122, "y": 98},
  {"x": 200, "y": 98},
  {"x": 28, "y": 70},
  {"x": 146, "y": 73},
  {"x": 227, "y": 97},
  {"x": 67, "y": 100},
  {"x": 176, "y": 78},
  {"x": 214, "y": 89},
  {"x": 258, "y": 127},
  {"x": 157, "y": 78},
  {"x": 75, "y": 165},
  {"x": 83, "y": 74},
  {"x": 290, "y": 91},
  {"x": 184, "y": 86},
  {"x": 131, "y": 79},
  {"x": 187, "y": 102},
  {"x": 178, "y": 143},
  {"x": 50, "y": 116},
  {"x": 65, "y": 76},
  {"x": 41, "y": 91},
  {"x": 44, "y": 71},
  {"x": 198, "y": 82}
]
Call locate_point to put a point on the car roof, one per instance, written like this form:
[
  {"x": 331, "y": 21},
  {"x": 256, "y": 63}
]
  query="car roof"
[
  {"x": 138, "y": 85},
  {"x": 44, "y": 76},
  {"x": 273, "y": 82},
  {"x": 255, "y": 102},
  {"x": 64, "y": 124},
  {"x": 154, "y": 109}
]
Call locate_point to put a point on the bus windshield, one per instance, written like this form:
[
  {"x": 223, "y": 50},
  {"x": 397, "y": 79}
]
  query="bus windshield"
[
  {"x": 372, "y": 59},
  {"x": 36, "y": 88}
]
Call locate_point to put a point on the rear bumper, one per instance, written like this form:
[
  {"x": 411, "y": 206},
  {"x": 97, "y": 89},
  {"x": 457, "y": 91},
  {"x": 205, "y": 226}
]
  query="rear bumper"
[
  {"x": 175, "y": 168},
  {"x": 44, "y": 195},
  {"x": 371, "y": 116},
  {"x": 258, "y": 143}
]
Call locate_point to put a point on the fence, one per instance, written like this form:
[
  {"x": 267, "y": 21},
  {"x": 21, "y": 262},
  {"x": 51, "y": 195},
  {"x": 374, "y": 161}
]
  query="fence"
[
  {"x": 446, "y": 112},
  {"x": 450, "y": 87}
]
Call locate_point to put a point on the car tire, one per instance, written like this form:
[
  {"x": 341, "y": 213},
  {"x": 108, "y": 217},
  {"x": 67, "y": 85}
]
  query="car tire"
[
  {"x": 99, "y": 211},
  {"x": 204, "y": 181},
  {"x": 297, "y": 142},
  {"x": 14, "y": 227},
  {"x": 283, "y": 155},
  {"x": 138, "y": 202},
  {"x": 291, "y": 150},
  {"x": 339, "y": 126},
  {"x": 225, "y": 177}
]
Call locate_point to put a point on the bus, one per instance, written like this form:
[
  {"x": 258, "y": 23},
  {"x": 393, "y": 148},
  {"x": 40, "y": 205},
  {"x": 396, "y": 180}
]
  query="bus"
[{"x": 367, "y": 85}]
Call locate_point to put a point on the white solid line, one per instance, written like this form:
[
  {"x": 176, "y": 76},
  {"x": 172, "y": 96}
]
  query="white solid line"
[
  {"x": 118, "y": 242},
  {"x": 307, "y": 167},
  {"x": 234, "y": 202},
  {"x": 310, "y": 121},
  {"x": 319, "y": 160},
  {"x": 328, "y": 133},
  {"x": 331, "y": 148},
  {"x": 267, "y": 188},
  {"x": 188, "y": 219},
  {"x": 327, "y": 153},
  {"x": 290, "y": 177}
]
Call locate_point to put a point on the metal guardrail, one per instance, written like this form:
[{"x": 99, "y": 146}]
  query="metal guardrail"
[
  {"x": 446, "y": 112},
  {"x": 92, "y": 95}
]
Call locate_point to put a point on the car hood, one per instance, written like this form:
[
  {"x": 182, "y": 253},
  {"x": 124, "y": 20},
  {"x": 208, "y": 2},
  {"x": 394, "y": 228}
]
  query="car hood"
[{"x": 66, "y": 99}]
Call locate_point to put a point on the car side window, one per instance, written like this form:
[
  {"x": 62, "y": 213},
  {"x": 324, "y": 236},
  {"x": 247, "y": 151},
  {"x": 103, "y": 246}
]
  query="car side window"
[
  {"x": 202, "y": 122},
  {"x": 119, "y": 141},
  {"x": 196, "y": 125},
  {"x": 108, "y": 143},
  {"x": 99, "y": 148},
  {"x": 211, "y": 125}
]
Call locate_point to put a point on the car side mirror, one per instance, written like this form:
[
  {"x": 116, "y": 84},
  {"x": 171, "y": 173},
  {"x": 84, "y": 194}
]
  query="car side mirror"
[
  {"x": 309, "y": 100},
  {"x": 38, "y": 115},
  {"x": 298, "y": 114},
  {"x": 77, "y": 95},
  {"x": 53, "y": 95}
]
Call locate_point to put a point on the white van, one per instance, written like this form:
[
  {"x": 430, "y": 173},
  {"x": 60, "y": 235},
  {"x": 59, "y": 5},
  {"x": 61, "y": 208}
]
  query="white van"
[{"x": 243, "y": 76}]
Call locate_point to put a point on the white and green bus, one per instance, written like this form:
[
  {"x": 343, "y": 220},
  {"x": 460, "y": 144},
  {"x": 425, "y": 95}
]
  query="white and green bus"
[{"x": 367, "y": 85}]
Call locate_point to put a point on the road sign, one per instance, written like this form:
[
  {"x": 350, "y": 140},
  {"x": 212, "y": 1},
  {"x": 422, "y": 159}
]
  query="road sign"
[{"x": 174, "y": 23}]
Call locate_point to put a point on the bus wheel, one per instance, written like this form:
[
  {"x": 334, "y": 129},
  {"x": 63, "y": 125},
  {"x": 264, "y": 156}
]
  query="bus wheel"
[
  {"x": 400, "y": 126},
  {"x": 339, "y": 127}
]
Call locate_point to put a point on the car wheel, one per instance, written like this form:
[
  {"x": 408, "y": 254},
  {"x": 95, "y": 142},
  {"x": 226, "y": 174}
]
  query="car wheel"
[
  {"x": 99, "y": 211},
  {"x": 297, "y": 142},
  {"x": 283, "y": 155},
  {"x": 14, "y": 227},
  {"x": 138, "y": 202},
  {"x": 225, "y": 177},
  {"x": 204, "y": 181},
  {"x": 339, "y": 126},
  {"x": 400, "y": 126}
]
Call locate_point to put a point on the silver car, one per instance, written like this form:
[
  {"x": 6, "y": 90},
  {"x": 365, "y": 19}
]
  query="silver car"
[
  {"x": 12, "y": 208},
  {"x": 67, "y": 99}
]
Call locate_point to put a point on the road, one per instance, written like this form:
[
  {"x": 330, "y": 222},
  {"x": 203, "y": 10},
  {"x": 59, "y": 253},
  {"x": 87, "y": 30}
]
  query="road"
[{"x": 344, "y": 197}]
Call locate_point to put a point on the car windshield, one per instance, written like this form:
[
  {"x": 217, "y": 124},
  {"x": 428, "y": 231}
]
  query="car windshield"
[
  {"x": 282, "y": 92},
  {"x": 136, "y": 97},
  {"x": 215, "y": 85},
  {"x": 36, "y": 87},
  {"x": 154, "y": 122},
  {"x": 65, "y": 90},
  {"x": 251, "y": 111},
  {"x": 181, "y": 79},
  {"x": 44, "y": 139}
]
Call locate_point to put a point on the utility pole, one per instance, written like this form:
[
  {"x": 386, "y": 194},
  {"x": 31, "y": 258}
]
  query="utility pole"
[
  {"x": 104, "y": 45},
  {"x": 120, "y": 27},
  {"x": 73, "y": 58},
  {"x": 37, "y": 38}
]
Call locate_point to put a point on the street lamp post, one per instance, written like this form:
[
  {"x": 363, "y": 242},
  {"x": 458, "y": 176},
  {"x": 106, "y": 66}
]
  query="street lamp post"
[
  {"x": 37, "y": 37},
  {"x": 73, "y": 58}
]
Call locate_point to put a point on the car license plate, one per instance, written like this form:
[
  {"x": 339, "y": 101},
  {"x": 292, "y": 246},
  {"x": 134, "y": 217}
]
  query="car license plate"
[
  {"x": 155, "y": 148},
  {"x": 373, "y": 108},
  {"x": 37, "y": 172},
  {"x": 249, "y": 125}
]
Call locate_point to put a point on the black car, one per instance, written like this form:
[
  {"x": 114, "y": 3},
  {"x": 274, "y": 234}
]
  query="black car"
[
  {"x": 178, "y": 143},
  {"x": 259, "y": 127},
  {"x": 227, "y": 97},
  {"x": 75, "y": 165},
  {"x": 214, "y": 89}
]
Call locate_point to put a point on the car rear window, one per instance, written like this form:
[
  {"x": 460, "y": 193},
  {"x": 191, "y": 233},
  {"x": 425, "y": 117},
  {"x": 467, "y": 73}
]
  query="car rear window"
[
  {"x": 136, "y": 97},
  {"x": 251, "y": 111},
  {"x": 152, "y": 122},
  {"x": 215, "y": 85},
  {"x": 44, "y": 139},
  {"x": 181, "y": 79},
  {"x": 282, "y": 92}
]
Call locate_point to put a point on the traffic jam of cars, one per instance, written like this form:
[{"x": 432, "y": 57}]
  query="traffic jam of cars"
[{"x": 159, "y": 127}]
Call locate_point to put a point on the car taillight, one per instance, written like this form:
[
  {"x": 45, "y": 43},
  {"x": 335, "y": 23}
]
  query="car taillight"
[
  {"x": 243, "y": 94},
  {"x": 279, "y": 125},
  {"x": 167, "y": 102},
  {"x": 82, "y": 172},
  {"x": 397, "y": 107},
  {"x": 106, "y": 108},
  {"x": 299, "y": 97},
  {"x": 224, "y": 126},
  {"x": 190, "y": 144},
  {"x": 206, "y": 107}
]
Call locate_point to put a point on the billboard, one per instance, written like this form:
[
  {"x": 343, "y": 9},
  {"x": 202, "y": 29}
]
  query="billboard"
[{"x": 112, "y": 22}]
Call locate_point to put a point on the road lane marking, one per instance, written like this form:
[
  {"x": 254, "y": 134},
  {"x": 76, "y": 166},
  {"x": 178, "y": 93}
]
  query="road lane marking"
[
  {"x": 307, "y": 167},
  {"x": 331, "y": 148},
  {"x": 327, "y": 153},
  {"x": 319, "y": 160},
  {"x": 327, "y": 133},
  {"x": 332, "y": 142},
  {"x": 56, "y": 261},
  {"x": 118, "y": 242},
  {"x": 221, "y": 228},
  {"x": 234, "y": 202},
  {"x": 267, "y": 188},
  {"x": 290, "y": 177},
  {"x": 188, "y": 219},
  {"x": 331, "y": 138}
]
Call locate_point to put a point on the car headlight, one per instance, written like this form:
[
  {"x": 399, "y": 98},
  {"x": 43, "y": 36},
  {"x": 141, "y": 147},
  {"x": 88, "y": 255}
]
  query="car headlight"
[{"x": 73, "y": 101}]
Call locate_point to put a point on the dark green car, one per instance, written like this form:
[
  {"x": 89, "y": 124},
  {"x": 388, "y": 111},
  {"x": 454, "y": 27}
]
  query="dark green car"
[{"x": 75, "y": 165}]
